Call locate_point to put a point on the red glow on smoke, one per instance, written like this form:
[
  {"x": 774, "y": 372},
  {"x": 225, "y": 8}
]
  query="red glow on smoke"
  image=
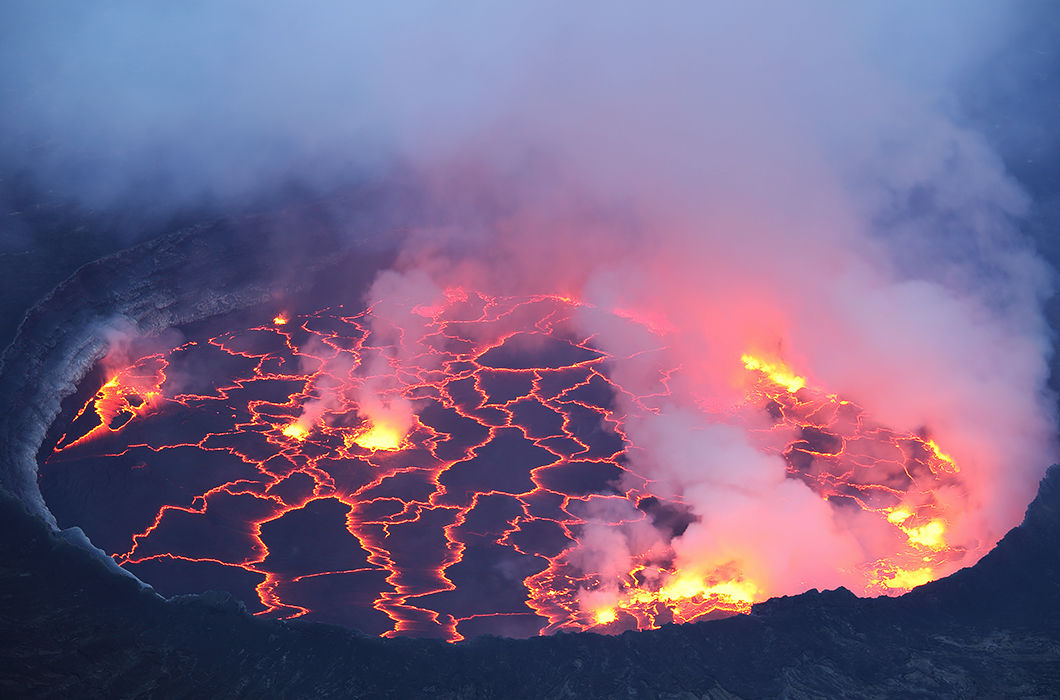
[{"x": 480, "y": 463}]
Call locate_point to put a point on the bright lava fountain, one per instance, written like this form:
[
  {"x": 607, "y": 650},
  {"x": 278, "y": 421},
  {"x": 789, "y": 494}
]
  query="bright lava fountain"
[{"x": 439, "y": 482}]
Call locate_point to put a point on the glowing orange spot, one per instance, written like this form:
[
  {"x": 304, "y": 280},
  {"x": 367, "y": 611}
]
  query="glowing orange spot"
[
  {"x": 904, "y": 579},
  {"x": 280, "y": 319},
  {"x": 775, "y": 371},
  {"x": 379, "y": 437},
  {"x": 729, "y": 591},
  {"x": 930, "y": 535},
  {"x": 296, "y": 431},
  {"x": 605, "y": 616},
  {"x": 948, "y": 464},
  {"x": 899, "y": 515},
  {"x": 688, "y": 597},
  {"x": 132, "y": 393}
]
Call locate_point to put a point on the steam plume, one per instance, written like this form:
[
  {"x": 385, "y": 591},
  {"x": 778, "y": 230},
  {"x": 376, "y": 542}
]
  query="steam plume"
[{"x": 794, "y": 181}]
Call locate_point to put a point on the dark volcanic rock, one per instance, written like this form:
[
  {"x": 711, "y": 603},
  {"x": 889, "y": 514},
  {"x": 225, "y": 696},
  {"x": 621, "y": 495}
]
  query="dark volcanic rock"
[
  {"x": 196, "y": 273},
  {"x": 1023, "y": 567},
  {"x": 71, "y": 627}
]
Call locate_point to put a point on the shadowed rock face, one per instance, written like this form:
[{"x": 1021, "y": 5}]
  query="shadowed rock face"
[{"x": 70, "y": 627}]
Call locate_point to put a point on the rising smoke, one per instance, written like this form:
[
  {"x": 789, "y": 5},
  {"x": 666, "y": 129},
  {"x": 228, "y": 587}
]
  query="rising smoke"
[{"x": 796, "y": 181}]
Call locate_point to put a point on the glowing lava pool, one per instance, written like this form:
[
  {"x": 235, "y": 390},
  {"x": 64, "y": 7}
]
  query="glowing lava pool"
[{"x": 468, "y": 467}]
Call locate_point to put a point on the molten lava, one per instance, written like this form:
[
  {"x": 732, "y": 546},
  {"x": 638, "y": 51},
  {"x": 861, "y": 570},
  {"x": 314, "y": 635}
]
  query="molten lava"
[
  {"x": 132, "y": 392},
  {"x": 379, "y": 437},
  {"x": 277, "y": 476},
  {"x": 775, "y": 372},
  {"x": 296, "y": 431}
]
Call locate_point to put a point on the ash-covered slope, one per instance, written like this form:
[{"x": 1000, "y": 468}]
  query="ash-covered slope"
[{"x": 70, "y": 627}]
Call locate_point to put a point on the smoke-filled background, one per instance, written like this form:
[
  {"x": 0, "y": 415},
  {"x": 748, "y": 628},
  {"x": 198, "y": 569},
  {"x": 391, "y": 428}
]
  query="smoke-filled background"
[{"x": 825, "y": 184}]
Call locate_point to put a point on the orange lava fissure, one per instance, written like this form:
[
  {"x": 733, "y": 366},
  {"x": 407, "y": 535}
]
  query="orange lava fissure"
[{"x": 454, "y": 468}]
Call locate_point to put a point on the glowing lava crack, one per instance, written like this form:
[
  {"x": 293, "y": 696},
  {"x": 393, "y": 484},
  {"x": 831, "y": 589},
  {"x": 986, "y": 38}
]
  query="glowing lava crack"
[{"x": 440, "y": 478}]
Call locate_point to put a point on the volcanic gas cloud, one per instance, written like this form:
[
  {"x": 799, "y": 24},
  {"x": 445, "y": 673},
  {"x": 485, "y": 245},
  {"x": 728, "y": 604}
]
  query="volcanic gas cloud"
[
  {"x": 694, "y": 311},
  {"x": 475, "y": 463}
]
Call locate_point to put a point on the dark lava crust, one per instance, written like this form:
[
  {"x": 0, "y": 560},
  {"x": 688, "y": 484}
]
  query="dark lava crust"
[
  {"x": 71, "y": 628},
  {"x": 73, "y": 625}
]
